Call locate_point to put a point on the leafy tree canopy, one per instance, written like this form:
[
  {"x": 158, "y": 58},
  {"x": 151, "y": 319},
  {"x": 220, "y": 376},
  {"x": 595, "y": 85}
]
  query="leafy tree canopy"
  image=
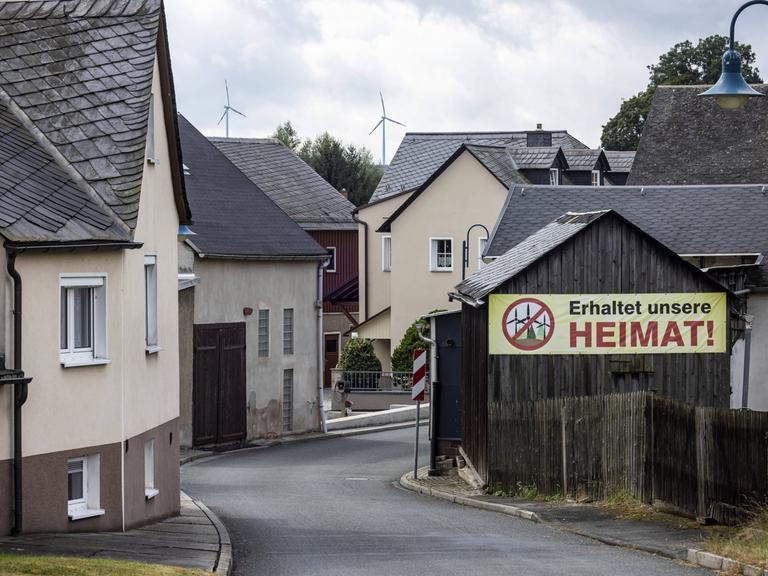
[
  {"x": 358, "y": 356},
  {"x": 287, "y": 134},
  {"x": 402, "y": 357},
  {"x": 683, "y": 64}
]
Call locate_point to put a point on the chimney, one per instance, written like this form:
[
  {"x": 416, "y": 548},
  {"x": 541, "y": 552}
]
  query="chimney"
[
  {"x": 539, "y": 138},
  {"x": 538, "y": 126}
]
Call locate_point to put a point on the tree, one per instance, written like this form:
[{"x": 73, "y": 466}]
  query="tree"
[
  {"x": 683, "y": 64},
  {"x": 287, "y": 134},
  {"x": 402, "y": 357},
  {"x": 358, "y": 356}
]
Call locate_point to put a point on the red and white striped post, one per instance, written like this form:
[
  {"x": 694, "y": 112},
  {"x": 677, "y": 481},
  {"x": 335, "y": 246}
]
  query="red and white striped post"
[{"x": 417, "y": 393}]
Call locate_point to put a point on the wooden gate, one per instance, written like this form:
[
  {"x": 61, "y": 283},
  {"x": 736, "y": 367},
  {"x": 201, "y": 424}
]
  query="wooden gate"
[{"x": 218, "y": 402}]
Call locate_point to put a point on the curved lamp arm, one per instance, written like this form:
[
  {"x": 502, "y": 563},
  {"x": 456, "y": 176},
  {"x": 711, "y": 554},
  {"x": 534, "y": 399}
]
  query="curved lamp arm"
[{"x": 736, "y": 15}]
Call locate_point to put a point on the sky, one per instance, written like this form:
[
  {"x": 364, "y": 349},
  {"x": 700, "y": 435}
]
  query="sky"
[{"x": 441, "y": 65}]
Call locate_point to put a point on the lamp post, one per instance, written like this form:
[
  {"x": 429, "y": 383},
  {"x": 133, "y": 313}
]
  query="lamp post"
[
  {"x": 465, "y": 249},
  {"x": 731, "y": 90}
]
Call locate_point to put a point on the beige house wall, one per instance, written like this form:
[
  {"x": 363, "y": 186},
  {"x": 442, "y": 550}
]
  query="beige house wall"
[
  {"x": 464, "y": 194},
  {"x": 228, "y": 286}
]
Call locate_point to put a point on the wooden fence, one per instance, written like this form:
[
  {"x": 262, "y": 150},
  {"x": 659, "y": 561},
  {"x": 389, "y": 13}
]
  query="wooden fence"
[{"x": 707, "y": 462}]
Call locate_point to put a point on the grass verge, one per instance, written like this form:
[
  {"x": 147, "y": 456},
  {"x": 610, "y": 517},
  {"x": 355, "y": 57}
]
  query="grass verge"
[
  {"x": 15, "y": 565},
  {"x": 624, "y": 506},
  {"x": 748, "y": 544}
]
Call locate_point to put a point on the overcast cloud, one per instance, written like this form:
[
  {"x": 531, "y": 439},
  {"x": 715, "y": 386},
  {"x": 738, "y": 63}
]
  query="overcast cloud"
[{"x": 441, "y": 65}]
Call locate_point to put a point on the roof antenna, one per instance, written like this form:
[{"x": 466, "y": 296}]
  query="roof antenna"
[
  {"x": 227, "y": 108},
  {"x": 383, "y": 124}
]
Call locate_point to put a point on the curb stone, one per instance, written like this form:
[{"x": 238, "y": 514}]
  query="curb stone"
[
  {"x": 716, "y": 562},
  {"x": 224, "y": 562}
]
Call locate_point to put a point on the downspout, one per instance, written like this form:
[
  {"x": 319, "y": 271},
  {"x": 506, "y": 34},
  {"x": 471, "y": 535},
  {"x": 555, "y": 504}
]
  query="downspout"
[
  {"x": 433, "y": 394},
  {"x": 365, "y": 262},
  {"x": 19, "y": 393},
  {"x": 322, "y": 265}
]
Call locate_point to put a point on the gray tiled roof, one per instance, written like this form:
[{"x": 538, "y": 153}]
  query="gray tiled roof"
[
  {"x": 687, "y": 219},
  {"x": 293, "y": 185},
  {"x": 620, "y": 160},
  {"x": 77, "y": 74},
  {"x": 498, "y": 161},
  {"x": 520, "y": 256},
  {"x": 691, "y": 140},
  {"x": 233, "y": 217},
  {"x": 421, "y": 154},
  {"x": 582, "y": 159},
  {"x": 534, "y": 158}
]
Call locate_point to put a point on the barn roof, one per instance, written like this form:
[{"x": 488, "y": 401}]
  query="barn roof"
[
  {"x": 292, "y": 184},
  {"x": 420, "y": 154},
  {"x": 234, "y": 218},
  {"x": 691, "y": 140}
]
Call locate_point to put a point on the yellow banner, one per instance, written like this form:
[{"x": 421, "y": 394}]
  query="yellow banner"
[{"x": 607, "y": 323}]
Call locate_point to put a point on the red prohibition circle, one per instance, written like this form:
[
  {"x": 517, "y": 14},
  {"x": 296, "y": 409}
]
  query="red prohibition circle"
[{"x": 512, "y": 338}]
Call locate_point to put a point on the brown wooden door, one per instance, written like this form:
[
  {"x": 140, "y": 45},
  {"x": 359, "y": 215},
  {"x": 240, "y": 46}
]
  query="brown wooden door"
[
  {"x": 218, "y": 398},
  {"x": 331, "y": 357}
]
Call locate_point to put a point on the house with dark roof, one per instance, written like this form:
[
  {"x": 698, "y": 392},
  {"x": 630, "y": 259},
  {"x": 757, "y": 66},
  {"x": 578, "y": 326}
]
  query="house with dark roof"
[
  {"x": 323, "y": 212},
  {"x": 717, "y": 228},
  {"x": 91, "y": 204},
  {"x": 691, "y": 140},
  {"x": 250, "y": 330},
  {"x": 586, "y": 167}
]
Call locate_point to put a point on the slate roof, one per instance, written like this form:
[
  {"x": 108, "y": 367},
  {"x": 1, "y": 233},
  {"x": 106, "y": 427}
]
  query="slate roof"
[
  {"x": 520, "y": 256},
  {"x": 421, "y": 154},
  {"x": 535, "y": 158},
  {"x": 233, "y": 217},
  {"x": 620, "y": 160},
  {"x": 726, "y": 219},
  {"x": 583, "y": 160},
  {"x": 691, "y": 140},
  {"x": 293, "y": 185},
  {"x": 78, "y": 75},
  {"x": 498, "y": 161}
]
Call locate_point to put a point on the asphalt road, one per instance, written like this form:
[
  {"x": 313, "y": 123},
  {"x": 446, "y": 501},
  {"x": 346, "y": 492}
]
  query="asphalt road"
[{"x": 333, "y": 507}]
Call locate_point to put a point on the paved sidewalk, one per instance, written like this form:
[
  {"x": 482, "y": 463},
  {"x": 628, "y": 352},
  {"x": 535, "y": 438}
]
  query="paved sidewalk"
[
  {"x": 194, "y": 539},
  {"x": 662, "y": 538}
]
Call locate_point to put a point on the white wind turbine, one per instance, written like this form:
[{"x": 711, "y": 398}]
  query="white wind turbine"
[
  {"x": 383, "y": 124},
  {"x": 227, "y": 108}
]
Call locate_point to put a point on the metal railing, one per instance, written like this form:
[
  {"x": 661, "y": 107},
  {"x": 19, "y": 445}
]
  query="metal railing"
[{"x": 358, "y": 381}]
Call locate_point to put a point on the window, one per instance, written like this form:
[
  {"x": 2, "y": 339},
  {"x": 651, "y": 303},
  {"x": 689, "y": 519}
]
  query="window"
[
  {"x": 332, "y": 264},
  {"x": 149, "y": 470},
  {"x": 83, "y": 487},
  {"x": 554, "y": 177},
  {"x": 82, "y": 321},
  {"x": 151, "y": 158},
  {"x": 386, "y": 253},
  {"x": 288, "y": 331},
  {"x": 597, "y": 178},
  {"x": 481, "y": 244},
  {"x": 287, "y": 400},
  {"x": 263, "y": 333},
  {"x": 441, "y": 254},
  {"x": 150, "y": 303}
]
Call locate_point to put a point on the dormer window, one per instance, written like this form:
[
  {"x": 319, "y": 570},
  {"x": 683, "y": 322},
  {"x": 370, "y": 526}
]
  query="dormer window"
[
  {"x": 554, "y": 177},
  {"x": 597, "y": 178}
]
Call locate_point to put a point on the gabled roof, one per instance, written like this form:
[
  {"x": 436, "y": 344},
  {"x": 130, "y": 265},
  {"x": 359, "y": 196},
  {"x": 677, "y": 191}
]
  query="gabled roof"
[
  {"x": 687, "y": 219},
  {"x": 537, "y": 158},
  {"x": 620, "y": 160},
  {"x": 691, "y": 140},
  {"x": 75, "y": 83},
  {"x": 233, "y": 217},
  {"x": 421, "y": 154},
  {"x": 585, "y": 160},
  {"x": 293, "y": 185},
  {"x": 520, "y": 256}
]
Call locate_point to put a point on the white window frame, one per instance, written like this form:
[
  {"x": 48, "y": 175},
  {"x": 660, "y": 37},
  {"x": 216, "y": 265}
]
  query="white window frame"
[
  {"x": 386, "y": 253},
  {"x": 96, "y": 354},
  {"x": 433, "y": 256},
  {"x": 262, "y": 313},
  {"x": 149, "y": 470},
  {"x": 554, "y": 176},
  {"x": 151, "y": 158},
  {"x": 328, "y": 268},
  {"x": 482, "y": 242},
  {"x": 151, "y": 335},
  {"x": 88, "y": 505},
  {"x": 597, "y": 178}
]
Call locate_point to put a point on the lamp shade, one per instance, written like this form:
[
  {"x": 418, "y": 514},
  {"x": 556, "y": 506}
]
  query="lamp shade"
[{"x": 731, "y": 90}]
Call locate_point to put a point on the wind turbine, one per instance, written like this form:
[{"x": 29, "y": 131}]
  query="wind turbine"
[
  {"x": 227, "y": 108},
  {"x": 383, "y": 124}
]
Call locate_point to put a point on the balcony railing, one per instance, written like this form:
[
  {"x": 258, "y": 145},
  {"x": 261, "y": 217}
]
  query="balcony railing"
[{"x": 358, "y": 381}]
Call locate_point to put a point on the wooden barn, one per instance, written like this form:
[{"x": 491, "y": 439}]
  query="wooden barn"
[{"x": 586, "y": 254}]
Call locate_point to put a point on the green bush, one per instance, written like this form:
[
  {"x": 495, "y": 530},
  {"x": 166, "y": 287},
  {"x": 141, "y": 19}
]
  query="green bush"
[
  {"x": 358, "y": 356},
  {"x": 402, "y": 357}
]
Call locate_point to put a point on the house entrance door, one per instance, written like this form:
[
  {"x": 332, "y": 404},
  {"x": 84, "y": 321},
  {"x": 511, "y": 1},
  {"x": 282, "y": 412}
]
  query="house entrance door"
[
  {"x": 218, "y": 396},
  {"x": 331, "y": 357}
]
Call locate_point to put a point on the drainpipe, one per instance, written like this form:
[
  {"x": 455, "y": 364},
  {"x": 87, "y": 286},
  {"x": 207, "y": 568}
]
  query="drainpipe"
[
  {"x": 365, "y": 262},
  {"x": 19, "y": 393},
  {"x": 748, "y": 319},
  {"x": 433, "y": 395},
  {"x": 320, "y": 345}
]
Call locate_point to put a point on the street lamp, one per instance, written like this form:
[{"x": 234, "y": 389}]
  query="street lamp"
[
  {"x": 465, "y": 248},
  {"x": 732, "y": 91}
]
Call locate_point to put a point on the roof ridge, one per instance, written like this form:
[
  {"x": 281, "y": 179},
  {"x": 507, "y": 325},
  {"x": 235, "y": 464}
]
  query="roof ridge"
[
  {"x": 256, "y": 140},
  {"x": 48, "y": 9},
  {"x": 481, "y": 132},
  {"x": 60, "y": 160}
]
